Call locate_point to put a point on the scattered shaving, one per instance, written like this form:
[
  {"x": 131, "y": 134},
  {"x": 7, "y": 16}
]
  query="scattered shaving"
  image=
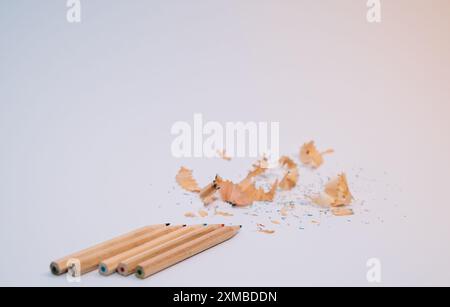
[
  {"x": 208, "y": 193},
  {"x": 336, "y": 194},
  {"x": 259, "y": 168},
  {"x": 267, "y": 231},
  {"x": 244, "y": 193},
  {"x": 222, "y": 213},
  {"x": 187, "y": 181},
  {"x": 290, "y": 179},
  {"x": 255, "y": 187},
  {"x": 261, "y": 228},
  {"x": 284, "y": 211},
  {"x": 338, "y": 189},
  {"x": 310, "y": 156},
  {"x": 202, "y": 213},
  {"x": 342, "y": 211},
  {"x": 223, "y": 155}
]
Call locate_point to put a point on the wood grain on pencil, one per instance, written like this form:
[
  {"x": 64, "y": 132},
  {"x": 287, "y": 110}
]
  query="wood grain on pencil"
[
  {"x": 128, "y": 266},
  {"x": 109, "y": 266},
  {"x": 184, "y": 251},
  {"x": 87, "y": 256}
]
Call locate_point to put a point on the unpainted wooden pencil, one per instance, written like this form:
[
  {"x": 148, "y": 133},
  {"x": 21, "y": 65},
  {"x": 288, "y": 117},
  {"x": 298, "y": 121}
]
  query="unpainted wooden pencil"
[
  {"x": 61, "y": 266},
  {"x": 129, "y": 265},
  {"x": 109, "y": 266},
  {"x": 182, "y": 252},
  {"x": 90, "y": 261}
]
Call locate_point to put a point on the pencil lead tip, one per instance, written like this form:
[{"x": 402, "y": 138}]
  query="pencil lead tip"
[
  {"x": 184, "y": 225},
  {"x": 205, "y": 224},
  {"x": 167, "y": 224},
  {"x": 240, "y": 226}
]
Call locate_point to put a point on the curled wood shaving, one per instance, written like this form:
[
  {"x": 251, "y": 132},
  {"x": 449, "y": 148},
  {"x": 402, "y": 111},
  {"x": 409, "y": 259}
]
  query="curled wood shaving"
[
  {"x": 262, "y": 195},
  {"x": 338, "y": 189},
  {"x": 245, "y": 193},
  {"x": 337, "y": 193},
  {"x": 185, "y": 179},
  {"x": 290, "y": 179},
  {"x": 309, "y": 155},
  {"x": 287, "y": 162},
  {"x": 234, "y": 194},
  {"x": 259, "y": 168},
  {"x": 208, "y": 193}
]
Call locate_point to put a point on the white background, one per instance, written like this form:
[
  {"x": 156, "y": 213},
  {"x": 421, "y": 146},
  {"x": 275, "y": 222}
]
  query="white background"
[{"x": 86, "y": 111}]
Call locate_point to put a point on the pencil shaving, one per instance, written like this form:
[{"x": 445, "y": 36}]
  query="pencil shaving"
[
  {"x": 186, "y": 180},
  {"x": 223, "y": 213},
  {"x": 290, "y": 179},
  {"x": 266, "y": 231},
  {"x": 223, "y": 155},
  {"x": 244, "y": 193},
  {"x": 202, "y": 213},
  {"x": 208, "y": 193},
  {"x": 310, "y": 156},
  {"x": 342, "y": 211},
  {"x": 259, "y": 168},
  {"x": 336, "y": 194}
]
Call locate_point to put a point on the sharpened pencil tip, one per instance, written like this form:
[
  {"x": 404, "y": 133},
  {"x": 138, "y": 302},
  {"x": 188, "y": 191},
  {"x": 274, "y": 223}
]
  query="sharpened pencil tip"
[
  {"x": 184, "y": 225},
  {"x": 240, "y": 226},
  {"x": 205, "y": 224},
  {"x": 167, "y": 224}
]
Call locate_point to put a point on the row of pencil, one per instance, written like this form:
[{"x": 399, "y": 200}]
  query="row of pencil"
[{"x": 145, "y": 251}]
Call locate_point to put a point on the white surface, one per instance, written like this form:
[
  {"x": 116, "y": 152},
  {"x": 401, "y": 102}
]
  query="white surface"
[{"x": 86, "y": 111}]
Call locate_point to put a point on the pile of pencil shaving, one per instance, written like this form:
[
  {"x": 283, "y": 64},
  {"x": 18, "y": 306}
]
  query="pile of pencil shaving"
[{"x": 145, "y": 251}]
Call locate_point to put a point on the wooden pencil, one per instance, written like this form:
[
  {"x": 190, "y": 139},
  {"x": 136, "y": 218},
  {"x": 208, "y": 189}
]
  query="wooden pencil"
[
  {"x": 89, "y": 262},
  {"x": 128, "y": 266},
  {"x": 182, "y": 252},
  {"x": 109, "y": 266},
  {"x": 61, "y": 266}
]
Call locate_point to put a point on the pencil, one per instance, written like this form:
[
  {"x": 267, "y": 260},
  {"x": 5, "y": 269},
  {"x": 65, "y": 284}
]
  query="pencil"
[
  {"x": 109, "y": 266},
  {"x": 128, "y": 266},
  {"x": 61, "y": 266},
  {"x": 90, "y": 261},
  {"x": 182, "y": 252}
]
